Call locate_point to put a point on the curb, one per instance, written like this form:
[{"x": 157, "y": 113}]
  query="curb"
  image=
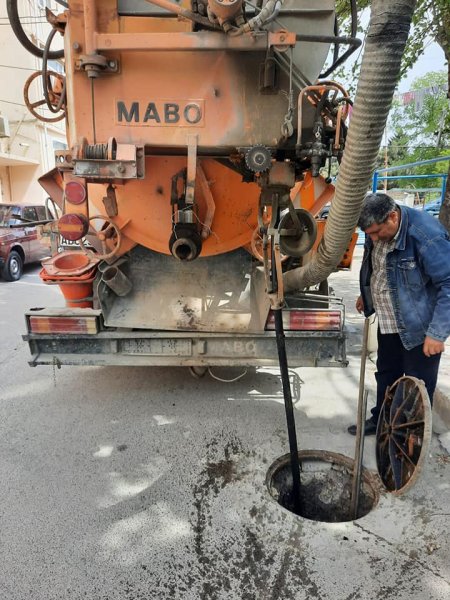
[{"x": 441, "y": 410}]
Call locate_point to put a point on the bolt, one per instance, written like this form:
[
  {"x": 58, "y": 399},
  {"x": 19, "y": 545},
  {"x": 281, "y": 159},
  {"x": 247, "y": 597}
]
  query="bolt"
[
  {"x": 282, "y": 38},
  {"x": 76, "y": 46},
  {"x": 112, "y": 64},
  {"x": 120, "y": 169}
]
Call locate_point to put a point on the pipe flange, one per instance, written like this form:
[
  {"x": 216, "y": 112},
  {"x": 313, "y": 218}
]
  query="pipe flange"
[{"x": 185, "y": 243}]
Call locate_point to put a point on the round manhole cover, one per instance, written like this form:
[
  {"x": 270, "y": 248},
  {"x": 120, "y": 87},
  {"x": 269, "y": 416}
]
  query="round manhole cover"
[{"x": 403, "y": 434}]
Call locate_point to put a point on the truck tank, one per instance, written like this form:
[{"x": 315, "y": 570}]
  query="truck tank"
[{"x": 198, "y": 133}]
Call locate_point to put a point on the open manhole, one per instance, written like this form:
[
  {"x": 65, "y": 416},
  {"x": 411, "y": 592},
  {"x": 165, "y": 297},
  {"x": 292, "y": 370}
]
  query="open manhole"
[
  {"x": 326, "y": 478},
  {"x": 325, "y": 488}
]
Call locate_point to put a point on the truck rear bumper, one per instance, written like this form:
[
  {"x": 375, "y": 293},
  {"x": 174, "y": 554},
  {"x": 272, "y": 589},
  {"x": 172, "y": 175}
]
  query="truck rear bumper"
[{"x": 158, "y": 348}]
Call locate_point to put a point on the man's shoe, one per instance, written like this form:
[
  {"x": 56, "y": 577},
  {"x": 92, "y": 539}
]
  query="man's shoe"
[{"x": 370, "y": 428}]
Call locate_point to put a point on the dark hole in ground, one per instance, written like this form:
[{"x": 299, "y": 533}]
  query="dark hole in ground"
[{"x": 325, "y": 488}]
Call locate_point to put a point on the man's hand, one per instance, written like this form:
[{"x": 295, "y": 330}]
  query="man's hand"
[
  {"x": 359, "y": 305},
  {"x": 431, "y": 346}
]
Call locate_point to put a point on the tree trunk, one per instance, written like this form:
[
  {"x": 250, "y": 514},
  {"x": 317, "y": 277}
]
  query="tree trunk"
[
  {"x": 444, "y": 213},
  {"x": 443, "y": 39}
]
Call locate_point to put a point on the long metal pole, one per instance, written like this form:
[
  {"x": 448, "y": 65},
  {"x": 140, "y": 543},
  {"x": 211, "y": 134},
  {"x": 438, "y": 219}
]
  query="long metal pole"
[
  {"x": 281, "y": 346},
  {"x": 362, "y": 407}
]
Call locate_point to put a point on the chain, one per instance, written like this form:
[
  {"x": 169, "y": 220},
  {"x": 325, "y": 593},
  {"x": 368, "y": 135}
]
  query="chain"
[
  {"x": 55, "y": 364},
  {"x": 287, "y": 129}
]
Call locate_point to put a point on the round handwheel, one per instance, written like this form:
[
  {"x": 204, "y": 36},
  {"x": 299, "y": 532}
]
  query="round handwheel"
[
  {"x": 403, "y": 434},
  {"x": 257, "y": 246},
  {"x": 108, "y": 232},
  {"x": 54, "y": 96}
]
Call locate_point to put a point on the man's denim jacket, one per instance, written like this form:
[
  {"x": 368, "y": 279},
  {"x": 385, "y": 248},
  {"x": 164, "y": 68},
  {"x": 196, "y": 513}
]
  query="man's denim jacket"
[{"x": 418, "y": 274}]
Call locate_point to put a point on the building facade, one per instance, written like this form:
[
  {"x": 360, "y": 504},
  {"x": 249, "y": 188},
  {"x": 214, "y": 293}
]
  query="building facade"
[{"x": 27, "y": 145}]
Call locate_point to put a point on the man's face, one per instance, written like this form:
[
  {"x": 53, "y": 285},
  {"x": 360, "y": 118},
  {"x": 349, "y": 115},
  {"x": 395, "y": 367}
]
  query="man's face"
[{"x": 384, "y": 232}]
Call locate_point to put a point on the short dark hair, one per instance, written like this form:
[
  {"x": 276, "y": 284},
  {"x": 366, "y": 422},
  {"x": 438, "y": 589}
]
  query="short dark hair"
[{"x": 376, "y": 209}]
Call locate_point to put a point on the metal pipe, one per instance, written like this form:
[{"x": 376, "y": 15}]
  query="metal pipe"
[
  {"x": 320, "y": 88},
  {"x": 117, "y": 281},
  {"x": 205, "y": 41},
  {"x": 328, "y": 39},
  {"x": 393, "y": 177},
  {"x": 353, "y": 44},
  {"x": 183, "y": 12},
  {"x": 362, "y": 407},
  {"x": 90, "y": 25},
  {"x": 429, "y": 161}
]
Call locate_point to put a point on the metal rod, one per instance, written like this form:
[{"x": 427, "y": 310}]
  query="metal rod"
[
  {"x": 362, "y": 407},
  {"x": 356, "y": 483},
  {"x": 393, "y": 177},
  {"x": 281, "y": 346},
  {"x": 429, "y": 161}
]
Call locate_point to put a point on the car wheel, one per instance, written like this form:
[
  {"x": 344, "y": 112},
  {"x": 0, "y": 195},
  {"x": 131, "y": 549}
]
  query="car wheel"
[{"x": 13, "y": 269}]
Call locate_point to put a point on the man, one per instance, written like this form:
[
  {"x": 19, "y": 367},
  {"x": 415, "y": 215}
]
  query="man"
[{"x": 405, "y": 279}]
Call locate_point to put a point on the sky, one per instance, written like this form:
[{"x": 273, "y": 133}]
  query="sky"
[{"x": 432, "y": 60}]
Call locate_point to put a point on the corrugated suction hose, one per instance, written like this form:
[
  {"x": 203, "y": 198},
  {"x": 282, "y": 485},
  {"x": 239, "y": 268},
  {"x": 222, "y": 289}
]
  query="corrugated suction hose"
[{"x": 386, "y": 39}]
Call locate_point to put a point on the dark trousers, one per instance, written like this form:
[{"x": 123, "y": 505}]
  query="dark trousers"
[{"x": 394, "y": 361}]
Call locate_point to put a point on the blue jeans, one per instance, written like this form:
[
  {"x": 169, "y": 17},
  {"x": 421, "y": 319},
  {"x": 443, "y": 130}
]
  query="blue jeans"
[{"x": 394, "y": 361}]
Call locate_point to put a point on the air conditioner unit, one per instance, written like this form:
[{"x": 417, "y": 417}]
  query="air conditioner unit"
[{"x": 4, "y": 127}]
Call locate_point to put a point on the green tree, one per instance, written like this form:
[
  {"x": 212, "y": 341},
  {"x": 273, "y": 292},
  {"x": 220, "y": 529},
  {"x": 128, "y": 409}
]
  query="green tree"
[
  {"x": 431, "y": 21},
  {"x": 417, "y": 132},
  {"x": 430, "y": 122}
]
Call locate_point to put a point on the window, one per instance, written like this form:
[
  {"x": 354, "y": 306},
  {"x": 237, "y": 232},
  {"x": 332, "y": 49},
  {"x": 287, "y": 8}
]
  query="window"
[
  {"x": 29, "y": 213},
  {"x": 57, "y": 145},
  {"x": 54, "y": 65}
]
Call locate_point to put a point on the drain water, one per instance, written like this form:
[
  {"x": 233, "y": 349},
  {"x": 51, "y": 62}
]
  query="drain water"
[{"x": 326, "y": 486}]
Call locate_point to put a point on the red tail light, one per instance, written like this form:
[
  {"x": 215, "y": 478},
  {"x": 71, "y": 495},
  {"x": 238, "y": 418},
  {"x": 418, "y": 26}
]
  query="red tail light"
[
  {"x": 308, "y": 320},
  {"x": 75, "y": 192},
  {"x": 73, "y": 227},
  {"x": 63, "y": 325}
]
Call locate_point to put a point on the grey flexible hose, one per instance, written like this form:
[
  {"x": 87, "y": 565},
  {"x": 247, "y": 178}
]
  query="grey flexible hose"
[{"x": 386, "y": 39}]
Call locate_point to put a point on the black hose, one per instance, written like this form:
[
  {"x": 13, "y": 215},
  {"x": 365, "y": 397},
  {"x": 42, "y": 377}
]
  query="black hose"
[
  {"x": 62, "y": 99},
  {"x": 289, "y": 409},
  {"x": 354, "y": 26},
  {"x": 287, "y": 394},
  {"x": 336, "y": 45},
  {"x": 16, "y": 25}
]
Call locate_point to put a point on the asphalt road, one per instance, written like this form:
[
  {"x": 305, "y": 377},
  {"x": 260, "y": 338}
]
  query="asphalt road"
[{"x": 143, "y": 484}]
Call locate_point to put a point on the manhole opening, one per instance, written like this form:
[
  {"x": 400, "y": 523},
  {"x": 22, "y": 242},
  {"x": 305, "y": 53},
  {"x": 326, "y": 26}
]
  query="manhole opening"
[{"x": 326, "y": 486}]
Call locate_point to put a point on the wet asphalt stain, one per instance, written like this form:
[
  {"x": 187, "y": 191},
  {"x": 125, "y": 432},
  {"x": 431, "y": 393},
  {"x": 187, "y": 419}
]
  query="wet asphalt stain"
[{"x": 240, "y": 562}]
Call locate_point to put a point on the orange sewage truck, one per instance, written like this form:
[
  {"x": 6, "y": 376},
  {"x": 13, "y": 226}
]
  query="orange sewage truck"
[{"x": 200, "y": 139}]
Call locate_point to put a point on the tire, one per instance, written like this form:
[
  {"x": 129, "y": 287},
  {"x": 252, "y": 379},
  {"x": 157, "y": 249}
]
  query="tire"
[{"x": 13, "y": 268}]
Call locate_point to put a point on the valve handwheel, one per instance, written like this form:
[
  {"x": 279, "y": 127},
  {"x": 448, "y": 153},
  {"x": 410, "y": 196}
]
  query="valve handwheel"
[
  {"x": 54, "y": 96},
  {"x": 257, "y": 246},
  {"x": 109, "y": 231}
]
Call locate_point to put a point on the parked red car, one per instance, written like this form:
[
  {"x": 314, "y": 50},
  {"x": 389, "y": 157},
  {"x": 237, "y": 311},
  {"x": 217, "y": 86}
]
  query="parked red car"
[{"x": 20, "y": 245}]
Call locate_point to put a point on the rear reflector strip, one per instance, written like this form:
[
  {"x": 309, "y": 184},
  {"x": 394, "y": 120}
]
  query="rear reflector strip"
[
  {"x": 308, "y": 320},
  {"x": 63, "y": 325}
]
